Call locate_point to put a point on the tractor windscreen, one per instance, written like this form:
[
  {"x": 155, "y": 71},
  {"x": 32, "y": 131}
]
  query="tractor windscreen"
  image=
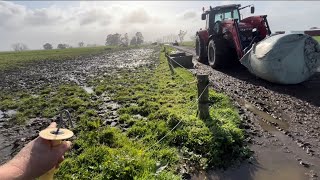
[{"x": 226, "y": 14}]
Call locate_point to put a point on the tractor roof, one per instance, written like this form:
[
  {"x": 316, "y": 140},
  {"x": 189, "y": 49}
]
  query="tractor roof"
[
  {"x": 226, "y": 6},
  {"x": 216, "y": 8}
]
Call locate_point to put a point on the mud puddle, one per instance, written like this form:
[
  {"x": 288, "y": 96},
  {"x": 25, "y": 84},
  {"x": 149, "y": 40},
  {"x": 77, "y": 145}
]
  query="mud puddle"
[
  {"x": 266, "y": 125},
  {"x": 262, "y": 167},
  {"x": 300, "y": 152}
]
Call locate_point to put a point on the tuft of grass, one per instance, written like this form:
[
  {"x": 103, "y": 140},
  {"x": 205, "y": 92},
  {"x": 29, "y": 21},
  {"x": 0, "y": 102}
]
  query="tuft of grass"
[{"x": 317, "y": 38}]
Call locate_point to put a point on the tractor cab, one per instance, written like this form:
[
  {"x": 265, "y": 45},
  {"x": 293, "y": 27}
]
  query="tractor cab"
[
  {"x": 226, "y": 27},
  {"x": 221, "y": 13}
]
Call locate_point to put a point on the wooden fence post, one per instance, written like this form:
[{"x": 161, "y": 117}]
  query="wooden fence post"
[{"x": 203, "y": 106}]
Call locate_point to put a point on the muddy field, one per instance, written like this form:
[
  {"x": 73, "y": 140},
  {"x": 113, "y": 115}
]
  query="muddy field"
[
  {"x": 78, "y": 71},
  {"x": 283, "y": 123}
]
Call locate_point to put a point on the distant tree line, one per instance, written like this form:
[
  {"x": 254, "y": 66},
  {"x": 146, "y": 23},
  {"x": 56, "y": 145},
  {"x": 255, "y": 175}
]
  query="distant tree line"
[
  {"x": 123, "y": 40},
  {"x": 47, "y": 46},
  {"x": 112, "y": 39}
]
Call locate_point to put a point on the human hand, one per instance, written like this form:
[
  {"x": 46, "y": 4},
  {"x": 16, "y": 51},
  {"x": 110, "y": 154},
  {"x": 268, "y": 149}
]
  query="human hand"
[{"x": 37, "y": 157}]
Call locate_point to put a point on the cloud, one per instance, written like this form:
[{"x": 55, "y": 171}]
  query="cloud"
[
  {"x": 42, "y": 17},
  {"x": 187, "y": 15},
  {"x": 98, "y": 15},
  {"x": 10, "y": 14},
  {"x": 292, "y": 16},
  {"x": 137, "y": 16}
]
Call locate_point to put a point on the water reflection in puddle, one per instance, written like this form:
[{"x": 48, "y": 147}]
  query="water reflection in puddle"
[
  {"x": 270, "y": 164},
  {"x": 11, "y": 113},
  {"x": 282, "y": 124}
]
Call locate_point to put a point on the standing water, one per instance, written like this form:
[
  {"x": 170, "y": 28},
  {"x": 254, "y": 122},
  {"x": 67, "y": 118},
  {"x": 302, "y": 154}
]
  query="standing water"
[
  {"x": 89, "y": 90},
  {"x": 269, "y": 161}
]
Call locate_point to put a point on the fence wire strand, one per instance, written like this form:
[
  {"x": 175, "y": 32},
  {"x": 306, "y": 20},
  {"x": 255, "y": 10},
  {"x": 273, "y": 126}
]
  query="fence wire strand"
[{"x": 189, "y": 110}]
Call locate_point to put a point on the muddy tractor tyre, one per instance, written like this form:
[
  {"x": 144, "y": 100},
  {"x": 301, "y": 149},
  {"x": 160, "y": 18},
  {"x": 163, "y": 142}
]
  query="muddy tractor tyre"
[
  {"x": 215, "y": 54},
  {"x": 200, "y": 50}
]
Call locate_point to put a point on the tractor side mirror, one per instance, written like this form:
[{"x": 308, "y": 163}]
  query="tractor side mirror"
[
  {"x": 252, "y": 9},
  {"x": 203, "y": 16}
]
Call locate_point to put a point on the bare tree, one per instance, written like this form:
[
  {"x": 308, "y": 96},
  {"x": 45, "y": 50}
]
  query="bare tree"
[
  {"x": 139, "y": 38},
  {"x": 47, "y": 46},
  {"x": 81, "y": 44},
  {"x": 181, "y": 35},
  {"x": 19, "y": 47}
]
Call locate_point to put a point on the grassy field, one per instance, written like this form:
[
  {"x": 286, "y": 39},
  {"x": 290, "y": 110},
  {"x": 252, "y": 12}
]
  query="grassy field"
[
  {"x": 161, "y": 101},
  {"x": 317, "y": 38},
  {"x": 188, "y": 43},
  {"x": 13, "y": 59}
]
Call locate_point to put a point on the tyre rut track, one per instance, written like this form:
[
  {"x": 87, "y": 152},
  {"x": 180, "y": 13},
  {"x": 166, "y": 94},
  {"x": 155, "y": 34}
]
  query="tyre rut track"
[{"x": 296, "y": 106}]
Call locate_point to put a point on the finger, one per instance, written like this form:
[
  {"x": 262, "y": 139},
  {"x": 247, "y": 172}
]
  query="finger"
[
  {"x": 52, "y": 125},
  {"x": 61, "y": 159},
  {"x": 59, "y": 162},
  {"x": 62, "y": 148}
]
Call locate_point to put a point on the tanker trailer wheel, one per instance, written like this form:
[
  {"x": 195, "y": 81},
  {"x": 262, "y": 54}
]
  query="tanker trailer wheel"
[
  {"x": 200, "y": 50},
  {"x": 215, "y": 54}
]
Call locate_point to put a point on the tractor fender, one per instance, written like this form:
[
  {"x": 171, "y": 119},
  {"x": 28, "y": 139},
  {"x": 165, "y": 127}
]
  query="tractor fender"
[{"x": 204, "y": 35}]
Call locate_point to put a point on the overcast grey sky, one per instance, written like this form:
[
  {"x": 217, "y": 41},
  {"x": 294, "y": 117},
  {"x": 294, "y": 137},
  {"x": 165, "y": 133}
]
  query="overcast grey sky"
[{"x": 37, "y": 22}]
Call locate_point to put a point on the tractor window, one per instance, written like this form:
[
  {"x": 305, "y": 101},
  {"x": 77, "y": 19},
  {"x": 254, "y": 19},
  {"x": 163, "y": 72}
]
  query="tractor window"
[
  {"x": 227, "y": 15},
  {"x": 235, "y": 14},
  {"x": 218, "y": 17}
]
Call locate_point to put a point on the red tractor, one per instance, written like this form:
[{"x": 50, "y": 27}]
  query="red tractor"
[{"x": 227, "y": 36}]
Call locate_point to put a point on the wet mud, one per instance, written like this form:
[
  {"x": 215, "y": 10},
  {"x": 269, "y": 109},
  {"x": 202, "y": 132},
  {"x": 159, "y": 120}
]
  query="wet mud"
[
  {"x": 282, "y": 124},
  {"x": 80, "y": 71}
]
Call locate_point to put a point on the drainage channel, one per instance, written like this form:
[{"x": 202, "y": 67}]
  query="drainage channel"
[{"x": 279, "y": 129}]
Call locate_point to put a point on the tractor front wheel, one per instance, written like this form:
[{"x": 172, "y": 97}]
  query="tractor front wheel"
[
  {"x": 215, "y": 54},
  {"x": 200, "y": 50}
]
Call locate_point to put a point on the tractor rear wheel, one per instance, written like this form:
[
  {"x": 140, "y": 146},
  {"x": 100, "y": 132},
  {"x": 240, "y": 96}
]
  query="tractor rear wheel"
[
  {"x": 200, "y": 50},
  {"x": 215, "y": 54}
]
